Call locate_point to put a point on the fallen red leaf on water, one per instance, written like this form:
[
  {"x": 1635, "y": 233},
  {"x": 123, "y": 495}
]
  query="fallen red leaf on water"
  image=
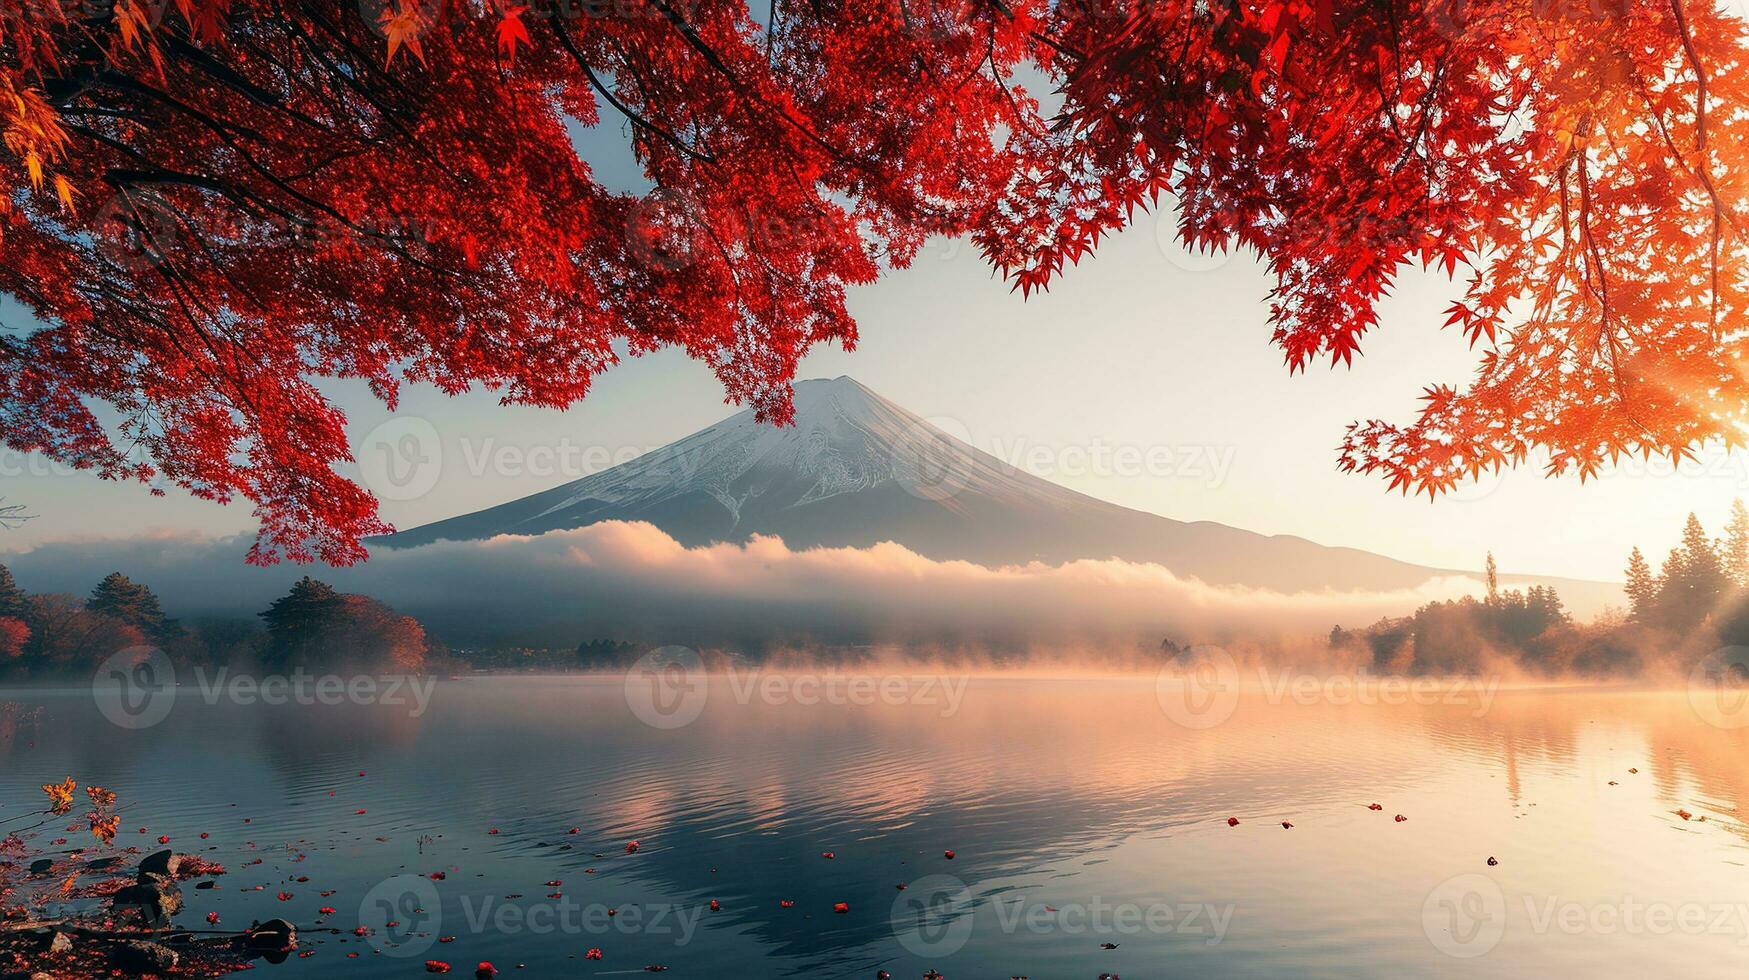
[
  {"x": 1375, "y": 806},
  {"x": 828, "y": 855},
  {"x": 841, "y": 907},
  {"x": 437, "y": 876},
  {"x": 212, "y": 918},
  {"x": 784, "y": 903},
  {"x": 493, "y": 832},
  {"x": 1285, "y": 825},
  {"x": 1399, "y": 818},
  {"x": 324, "y": 910},
  {"x": 198, "y": 867},
  {"x": 632, "y": 847},
  {"x": 1232, "y": 821},
  {"x": 593, "y": 954},
  {"x": 1684, "y": 814},
  {"x": 485, "y": 971},
  {"x": 436, "y": 966},
  {"x": 285, "y": 896},
  {"x": 163, "y": 840},
  {"x": 947, "y": 854}
]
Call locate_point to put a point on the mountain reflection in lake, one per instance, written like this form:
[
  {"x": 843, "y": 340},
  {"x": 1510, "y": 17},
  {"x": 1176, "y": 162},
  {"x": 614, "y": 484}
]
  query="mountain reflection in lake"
[{"x": 1078, "y": 811}]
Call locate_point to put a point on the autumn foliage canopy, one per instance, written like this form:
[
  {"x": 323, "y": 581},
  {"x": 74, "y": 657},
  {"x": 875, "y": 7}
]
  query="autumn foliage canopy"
[{"x": 215, "y": 204}]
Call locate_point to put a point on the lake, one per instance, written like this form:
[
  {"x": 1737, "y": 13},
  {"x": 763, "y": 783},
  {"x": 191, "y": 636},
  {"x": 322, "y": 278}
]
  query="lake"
[{"x": 1081, "y": 811}]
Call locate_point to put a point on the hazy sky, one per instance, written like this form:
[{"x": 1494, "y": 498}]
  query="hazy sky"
[{"x": 1143, "y": 353}]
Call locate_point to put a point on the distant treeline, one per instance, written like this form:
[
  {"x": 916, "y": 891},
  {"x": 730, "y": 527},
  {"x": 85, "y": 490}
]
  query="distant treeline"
[
  {"x": 312, "y": 626},
  {"x": 1696, "y": 603}
]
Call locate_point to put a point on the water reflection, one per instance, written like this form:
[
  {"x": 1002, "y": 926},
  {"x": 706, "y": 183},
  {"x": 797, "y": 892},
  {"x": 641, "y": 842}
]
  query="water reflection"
[{"x": 1054, "y": 793}]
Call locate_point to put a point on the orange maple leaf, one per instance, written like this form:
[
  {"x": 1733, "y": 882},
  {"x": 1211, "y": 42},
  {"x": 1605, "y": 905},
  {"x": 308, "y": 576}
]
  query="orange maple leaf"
[{"x": 403, "y": 23}]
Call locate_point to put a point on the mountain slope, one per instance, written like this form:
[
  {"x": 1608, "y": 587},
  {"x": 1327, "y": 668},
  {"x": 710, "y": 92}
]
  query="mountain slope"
[{"x": 856, "y": 470}]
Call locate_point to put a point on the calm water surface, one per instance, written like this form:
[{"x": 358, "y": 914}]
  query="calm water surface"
[{"x": 1079, "y": 811}]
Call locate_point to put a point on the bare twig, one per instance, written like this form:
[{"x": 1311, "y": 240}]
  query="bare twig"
[{"x": 12, "y": 515}]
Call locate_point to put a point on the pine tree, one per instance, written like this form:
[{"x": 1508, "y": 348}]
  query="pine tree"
[
  {"x": 122, "y": 598},
  {"x": 1700, "y": 558},
  {"x": 1694, "y": 579},
  {"x": 1734, "y": 550},
  {"x": 1642, "y": 587},
  {"x": 303, "y": 620},
  {"x": 12, "y": 598}
]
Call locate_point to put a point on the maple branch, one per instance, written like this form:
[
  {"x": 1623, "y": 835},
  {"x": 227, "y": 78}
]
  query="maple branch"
[
  {"x": 1704, "y": 167},
  {"x": 770, "y": 30},
  {"x": 697, "y": 43},
  {"x": 353, "y": 82},
  {"x": 625, "y": 110},
  {"x": 1602, "y": 290}
]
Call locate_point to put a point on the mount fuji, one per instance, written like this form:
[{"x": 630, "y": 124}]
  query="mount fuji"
[{"x": 856, "y": 470}]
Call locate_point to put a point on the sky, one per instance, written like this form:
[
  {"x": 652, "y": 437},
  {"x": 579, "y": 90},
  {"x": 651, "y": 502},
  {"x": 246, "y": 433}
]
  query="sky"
[{"x": 1143, "y": 377}]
